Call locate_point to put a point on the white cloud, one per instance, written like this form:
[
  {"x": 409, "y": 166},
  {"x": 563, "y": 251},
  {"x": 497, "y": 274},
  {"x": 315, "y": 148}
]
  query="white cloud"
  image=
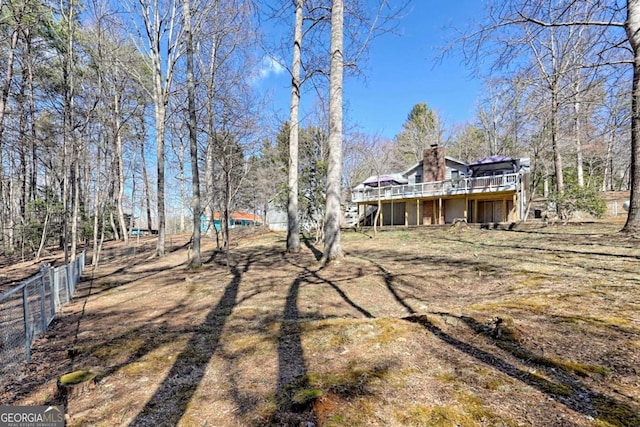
[{"x": 269, "y": 66}]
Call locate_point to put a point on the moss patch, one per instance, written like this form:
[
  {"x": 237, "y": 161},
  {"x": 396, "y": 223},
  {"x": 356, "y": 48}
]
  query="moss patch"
[{"x": 77, "y": 377}]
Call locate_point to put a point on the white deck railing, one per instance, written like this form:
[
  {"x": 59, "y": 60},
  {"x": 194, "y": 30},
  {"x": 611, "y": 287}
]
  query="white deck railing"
[{"x": 460, "y": 186}]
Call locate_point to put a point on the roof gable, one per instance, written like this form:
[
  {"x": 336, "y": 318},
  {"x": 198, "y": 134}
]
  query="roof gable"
[{"x": 393, "y": 179}]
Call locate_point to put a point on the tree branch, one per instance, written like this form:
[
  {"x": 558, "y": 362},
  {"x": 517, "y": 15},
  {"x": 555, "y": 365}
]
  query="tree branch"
[{"x": 570, "y": 23}]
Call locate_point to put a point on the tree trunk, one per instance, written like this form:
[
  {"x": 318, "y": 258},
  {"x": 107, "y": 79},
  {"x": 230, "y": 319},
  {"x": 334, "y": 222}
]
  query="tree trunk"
[
  {"x": 23, "y": 145},
  {"x": 32, "y": 115},
  {"x": 96, "y": 212},
  {"x": 8, "y": 77},
  {"x": 211, "y": 129},
  {"x": 160, "y": 111},
  {"x": 97, "y": 254},
  {"x": 134, "y": 187},
  {"x": 226, "y": 214},
  {"x": 579, "y": 162},
  {"x": 632, "y": 27},
  {"x": 43, "y": 237},
  {"x": 113, "y": 226},
  {"x": 193, "y": 140},
  {"x": 75, "y": 204},
  {"x": 145, "y": 177},
  {"x": 607, "y": 181},
  {"x": 557, "y": 156},
  {"x": 183, "y": 191},
  {"x": 332, "y": 245},
  {"x": 293, "y": 227},
  {"x": 68, "y": 125},
  {"x": 378, "y": 210},
  {"x": 210, "y": 182},
  {"x": 10, "y": 211},
  {"x": 119, "y": 165},
  {"x": 161, "y": 32}
]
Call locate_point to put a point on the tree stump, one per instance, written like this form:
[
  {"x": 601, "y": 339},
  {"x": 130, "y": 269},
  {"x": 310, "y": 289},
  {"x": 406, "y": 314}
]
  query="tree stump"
[{"x": 75, "y": 383}]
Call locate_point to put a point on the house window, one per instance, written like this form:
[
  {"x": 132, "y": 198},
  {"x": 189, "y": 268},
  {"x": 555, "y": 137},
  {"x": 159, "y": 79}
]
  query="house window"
[
  {"x": 455, "y": 178},
  {"x": 418, "y": 178}
]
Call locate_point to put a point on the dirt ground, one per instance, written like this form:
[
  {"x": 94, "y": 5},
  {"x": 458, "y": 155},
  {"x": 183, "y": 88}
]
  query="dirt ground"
[
  {"x": 15, "y": 269},
  {"x": 453, "y": 326}
]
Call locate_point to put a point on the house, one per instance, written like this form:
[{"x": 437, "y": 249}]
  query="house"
[
  {"x": 441, "y": 190},
  {"x": 236, "y": 219}
]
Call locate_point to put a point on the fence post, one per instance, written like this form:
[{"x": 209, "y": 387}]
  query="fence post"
[
  {"x": 76, "y": 274},
  {"x": 56, "y": 286},
  {"x": 66, "y": 279},
  {"x": 53, "y": 295},
  {"x": 27, "y": 329},
  {"x": 43, "y": 312},
  {"x": 76, "y": 263}
]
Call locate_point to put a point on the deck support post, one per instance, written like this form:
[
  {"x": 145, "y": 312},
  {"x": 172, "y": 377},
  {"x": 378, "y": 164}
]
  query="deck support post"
[
  {"x": 434, "y": 217},
  {"x": 466, "y": 209},
  {"x": 505, "y": 214}
]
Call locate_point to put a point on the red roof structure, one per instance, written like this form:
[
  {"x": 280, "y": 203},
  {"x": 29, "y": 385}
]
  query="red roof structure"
[{"x": 240, "y": 215}]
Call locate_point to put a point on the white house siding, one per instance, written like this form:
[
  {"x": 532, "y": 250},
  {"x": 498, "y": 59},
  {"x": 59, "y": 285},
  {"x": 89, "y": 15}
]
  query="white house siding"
[
  {"x": 451, "y": 166},
  {"x": 453, "y": 209}
]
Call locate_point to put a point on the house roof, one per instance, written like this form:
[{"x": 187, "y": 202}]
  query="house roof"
[
  {"x": 240, "y": 215},
  {"x": 412, "y": 167},
  {"x": 454, "y": 160},
  {"x": 373, "y": 180},
  {"x": 419, "y": 163},
  {"x": 492, "y": 159}
]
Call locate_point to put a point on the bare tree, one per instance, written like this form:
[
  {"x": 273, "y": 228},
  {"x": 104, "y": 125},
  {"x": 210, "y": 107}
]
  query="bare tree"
[
  {"x": 378, "y": 155},
  {"x": 293, "y": 226},
  {"x": 614, "y": 117},
  {"x": 632, "y": 28},
  {"x": 117, "y": 131},
  {"x": 221, "y": 63},
  {"x": 160, "y": 41},
  {"x": 332, "y": 245},
  {"x": 469, "y": 143},
  {"x": 610, "y": 18},
  {"x": 193, "y": 138},
  {"x": 68, "y": 13},
  {"x": 618, "y": 25}
]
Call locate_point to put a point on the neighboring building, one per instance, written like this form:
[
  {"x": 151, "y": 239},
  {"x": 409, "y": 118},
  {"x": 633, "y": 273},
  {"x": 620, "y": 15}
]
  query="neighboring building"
[
  {"x": 276, "y": 218},
  {"x": 236, "y": 219},
  {"x": 350, "y": 215},
  {"x": 441, "y": 190}
]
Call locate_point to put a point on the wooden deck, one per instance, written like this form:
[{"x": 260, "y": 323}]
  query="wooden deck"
[{"x": 463, "y": 186}]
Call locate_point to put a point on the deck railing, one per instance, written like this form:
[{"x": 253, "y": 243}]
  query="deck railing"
[{"x": 482, "y": 184}]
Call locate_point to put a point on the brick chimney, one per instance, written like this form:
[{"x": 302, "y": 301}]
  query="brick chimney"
[{"x": 433, "y": 167}]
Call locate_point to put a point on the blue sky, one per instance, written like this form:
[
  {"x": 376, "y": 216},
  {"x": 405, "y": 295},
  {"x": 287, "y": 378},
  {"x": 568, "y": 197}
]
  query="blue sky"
[{"x": 403, "y": 70}]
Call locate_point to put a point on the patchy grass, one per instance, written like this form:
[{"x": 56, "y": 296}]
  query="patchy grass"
[{"x": 434, "y": 326}]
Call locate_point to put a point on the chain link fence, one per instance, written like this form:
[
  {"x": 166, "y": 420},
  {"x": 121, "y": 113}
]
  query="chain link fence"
[{"x": 27, "y": 310}]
